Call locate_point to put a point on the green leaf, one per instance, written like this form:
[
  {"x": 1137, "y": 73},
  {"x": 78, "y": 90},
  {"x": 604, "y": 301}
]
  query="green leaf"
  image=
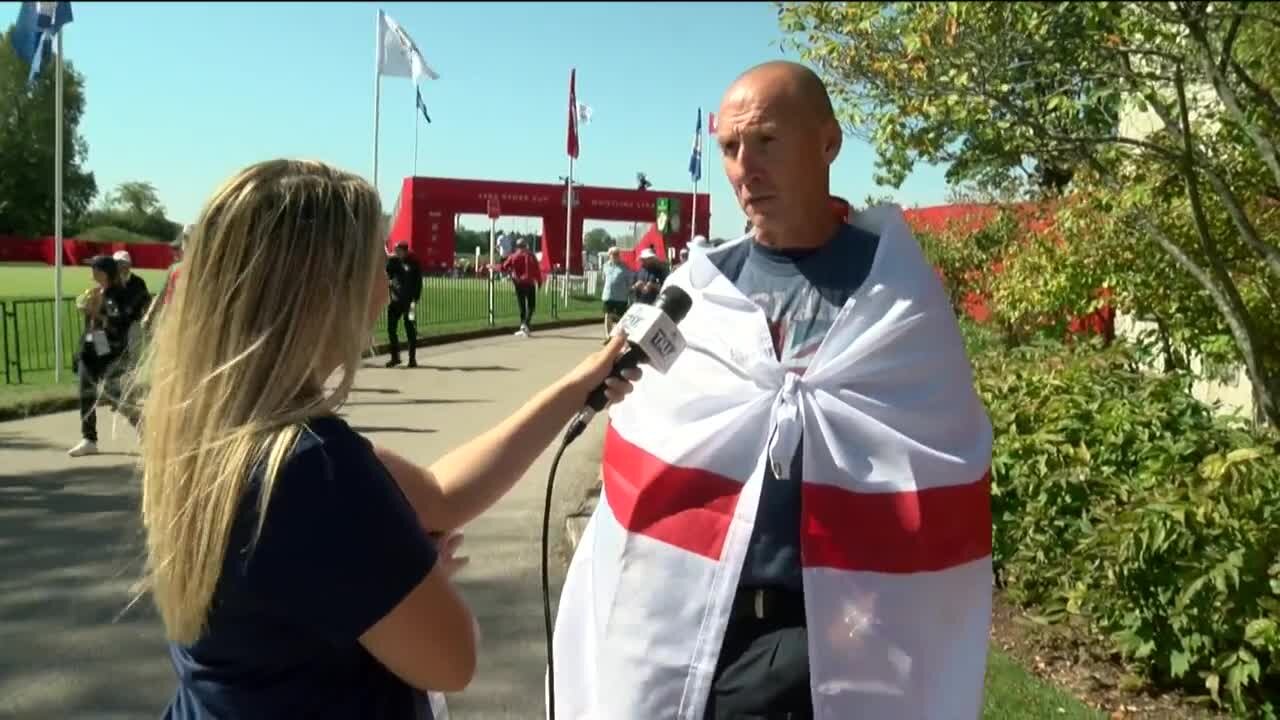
[
  {"x": 1212, "y": 683},
  {"x": 1243, "y": 455},
  {"x": 1179, "y": 663},
  {"x": 1262, "y": 633}
]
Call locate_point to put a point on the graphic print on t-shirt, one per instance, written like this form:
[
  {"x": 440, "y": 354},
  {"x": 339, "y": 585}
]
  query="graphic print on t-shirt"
[{"x": 799, "y": 319}]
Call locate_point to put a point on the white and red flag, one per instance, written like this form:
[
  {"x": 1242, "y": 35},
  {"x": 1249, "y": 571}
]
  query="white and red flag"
[{"x": 896, "y": 526}]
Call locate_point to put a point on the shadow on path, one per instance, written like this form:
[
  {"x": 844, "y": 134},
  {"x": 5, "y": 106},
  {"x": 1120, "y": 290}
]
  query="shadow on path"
[
  {"x": 379, "y": 391},
  {"x": 467, "y": 368},
  {"x": 378, "y": 429},
  {"x": 70, "y": 551},
  {"x": 16, "y": 441},
  {"x": 412, "y": 401}
]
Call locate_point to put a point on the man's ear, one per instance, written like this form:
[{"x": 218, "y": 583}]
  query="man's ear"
[{"x": 834, "y": 141}]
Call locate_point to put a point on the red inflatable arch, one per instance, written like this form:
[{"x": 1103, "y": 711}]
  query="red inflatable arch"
[{"x": 425, "y": 214}]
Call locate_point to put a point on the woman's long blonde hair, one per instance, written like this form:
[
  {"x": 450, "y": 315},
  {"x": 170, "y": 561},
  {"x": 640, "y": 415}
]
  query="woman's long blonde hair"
[{"x": 274, "y": 295}]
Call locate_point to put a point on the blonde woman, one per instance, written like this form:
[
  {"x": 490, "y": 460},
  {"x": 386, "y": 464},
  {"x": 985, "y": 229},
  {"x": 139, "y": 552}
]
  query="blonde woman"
[{"x": 291, "y": 560}]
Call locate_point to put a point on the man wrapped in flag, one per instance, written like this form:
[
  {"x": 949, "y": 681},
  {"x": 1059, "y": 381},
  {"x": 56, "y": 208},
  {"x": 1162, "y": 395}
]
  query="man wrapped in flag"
[{"x": 795, "y": 521}]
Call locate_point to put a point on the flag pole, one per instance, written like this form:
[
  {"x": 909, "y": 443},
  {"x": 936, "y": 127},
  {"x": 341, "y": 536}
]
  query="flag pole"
[
  {"x": 568, "y": 228},
  {"x": 377, "y": 93},
  {"x": 493, "y": 231},
  {"x": 415, "y": 138},
  {"x": 696, "y": 172},
  {"x": 57, "y": 217}
]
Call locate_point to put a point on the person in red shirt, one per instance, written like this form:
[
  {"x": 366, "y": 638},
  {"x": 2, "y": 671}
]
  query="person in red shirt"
[{"x": 526, "y": 274}]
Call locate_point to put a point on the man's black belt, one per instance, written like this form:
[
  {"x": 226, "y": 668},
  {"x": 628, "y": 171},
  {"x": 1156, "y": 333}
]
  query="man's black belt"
[{"x": 768, "y": 604}]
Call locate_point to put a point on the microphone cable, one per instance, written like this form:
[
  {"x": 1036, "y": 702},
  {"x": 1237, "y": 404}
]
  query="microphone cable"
[{"x": 575, "y": 429}]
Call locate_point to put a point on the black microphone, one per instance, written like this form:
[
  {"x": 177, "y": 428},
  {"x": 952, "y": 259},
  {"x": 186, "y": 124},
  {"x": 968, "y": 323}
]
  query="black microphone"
[{"x": 652, "y": 337}]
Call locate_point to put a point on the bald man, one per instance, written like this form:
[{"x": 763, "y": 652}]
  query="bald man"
[{"x": 795, "y": 517}]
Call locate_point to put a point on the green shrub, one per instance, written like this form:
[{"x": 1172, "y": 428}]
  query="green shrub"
[
  {"x": 1120, "y": 499},
  {"x": 112, "y": 234}
]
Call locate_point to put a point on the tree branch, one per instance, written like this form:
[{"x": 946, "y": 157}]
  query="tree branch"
[
  {"x": 1270, "y": 254},
  {"x": 1229, "y": 41},
  {"x": 1227, "y": 94},
  {"x": 1262, "y": 95},
  {"x": 1238, "y": 319}
]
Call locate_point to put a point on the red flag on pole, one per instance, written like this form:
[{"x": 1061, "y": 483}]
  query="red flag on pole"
[{"x": 573, "y": 114}]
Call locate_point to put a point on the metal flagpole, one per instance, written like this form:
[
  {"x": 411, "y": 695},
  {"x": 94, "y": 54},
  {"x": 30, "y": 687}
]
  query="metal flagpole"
[
  {"x": 568, "y": 229},
  {"x": 377, "y": 95},
  {"x": 693, "y": 213},
  {"x": 493, "y": 228},
  {"x": 57, "y": 217}
]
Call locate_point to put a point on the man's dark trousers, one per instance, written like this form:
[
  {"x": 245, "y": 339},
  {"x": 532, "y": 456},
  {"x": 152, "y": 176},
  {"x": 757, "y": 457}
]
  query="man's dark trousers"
[
  {"x": 763, "y": 671},
  {"x": 526, "y": 298},
  {"x": 396, "y": 311}
]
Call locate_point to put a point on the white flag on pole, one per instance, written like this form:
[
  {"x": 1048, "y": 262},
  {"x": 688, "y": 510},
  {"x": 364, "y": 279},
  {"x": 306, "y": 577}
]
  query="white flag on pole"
[
  {"x": 584, "y": 114},
  {"x": 398, "y": 55}
]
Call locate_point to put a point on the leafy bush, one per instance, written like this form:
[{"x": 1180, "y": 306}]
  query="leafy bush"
[
  {"x": 1121, "y": 500},
  {"x": 151, "y": 227},
  {"x": 112, "y": 234},
  {"x": 966, "y": 251}
]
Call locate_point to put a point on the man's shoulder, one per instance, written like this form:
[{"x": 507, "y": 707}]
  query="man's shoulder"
[{"x": 731, "y": 257}]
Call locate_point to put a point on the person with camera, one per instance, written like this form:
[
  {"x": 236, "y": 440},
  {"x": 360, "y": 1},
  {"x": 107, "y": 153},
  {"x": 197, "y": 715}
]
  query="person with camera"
[{"x": 110, "y": 312}]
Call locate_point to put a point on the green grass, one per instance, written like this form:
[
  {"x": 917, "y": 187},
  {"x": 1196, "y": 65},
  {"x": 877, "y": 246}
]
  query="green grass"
[
  {"x": 449, "y": 306},
  {"x": 1012, "y": 693},
  {"x": 20, "y": 281}
]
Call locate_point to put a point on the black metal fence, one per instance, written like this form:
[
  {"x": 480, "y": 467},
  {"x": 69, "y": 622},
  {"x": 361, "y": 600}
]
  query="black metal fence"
[{"x": 448, "y": 305}]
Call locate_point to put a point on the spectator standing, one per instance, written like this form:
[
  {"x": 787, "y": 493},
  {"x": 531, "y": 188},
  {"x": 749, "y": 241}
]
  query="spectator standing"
[
  {"x": 618, "y": 279},
  {"x": 139, "y": 298},
  {"x": 522, "y": 266},
  {"x": 405, "y": 277},
  {"x": 101, "y": 363},
  {"x": 650, "y": 278}
]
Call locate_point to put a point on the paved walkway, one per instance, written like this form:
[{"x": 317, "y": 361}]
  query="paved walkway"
[{"x": 70, "y": 538}]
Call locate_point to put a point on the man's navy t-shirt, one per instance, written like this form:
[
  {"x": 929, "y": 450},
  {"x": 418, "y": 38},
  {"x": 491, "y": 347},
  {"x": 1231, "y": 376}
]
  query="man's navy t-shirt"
[
  {"x": 340, "y": 548},
  {"x": 801, "y": 293}
]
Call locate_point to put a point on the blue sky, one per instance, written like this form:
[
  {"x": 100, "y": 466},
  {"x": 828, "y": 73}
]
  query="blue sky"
[{"x": 184, "y": 94}]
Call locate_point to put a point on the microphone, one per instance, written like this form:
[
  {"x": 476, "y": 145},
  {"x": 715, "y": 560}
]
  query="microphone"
[{"x": 653, "y": 338}]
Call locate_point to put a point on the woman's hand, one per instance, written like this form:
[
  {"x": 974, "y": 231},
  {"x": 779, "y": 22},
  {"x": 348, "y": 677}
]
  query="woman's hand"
[
  {"x": 596, "y": 368},
  {"x": 447, "y": 545}
]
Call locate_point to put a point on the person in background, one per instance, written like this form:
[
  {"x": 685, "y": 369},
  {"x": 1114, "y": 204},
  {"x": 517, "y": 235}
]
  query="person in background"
[
  {"x": 405, "y": 276},
  {"x": 109, "y": 315},
  {"x": 648, "y": 282},
  {"x": 139, "y": 298},
  {"x": 526, "y": 274},
  {"x": 165, "y": 296},
  {"x": 616, "y": 289},
  {"x": 300, "y": 570}
]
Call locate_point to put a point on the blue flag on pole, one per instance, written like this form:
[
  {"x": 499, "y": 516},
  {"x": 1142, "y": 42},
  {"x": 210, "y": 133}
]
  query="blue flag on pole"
[
  {"x": 695, "y": 159},
  {"x": 38, "y": 23},
  {"x": 423, "y": 107}
]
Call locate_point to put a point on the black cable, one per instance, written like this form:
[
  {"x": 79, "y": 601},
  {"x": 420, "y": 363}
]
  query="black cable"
[{"x": 574, "y": 430}]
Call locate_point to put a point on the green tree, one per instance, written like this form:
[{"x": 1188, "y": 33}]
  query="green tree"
[
  {"x": 597, "y": 240},
  {"x": 27, "y": 128},
  {"x": 133, "y": 207},
  {"x": 467, "y": 240},
  {"x": 138, "y": 197},
  {"x": 1047, "y": 108}
]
